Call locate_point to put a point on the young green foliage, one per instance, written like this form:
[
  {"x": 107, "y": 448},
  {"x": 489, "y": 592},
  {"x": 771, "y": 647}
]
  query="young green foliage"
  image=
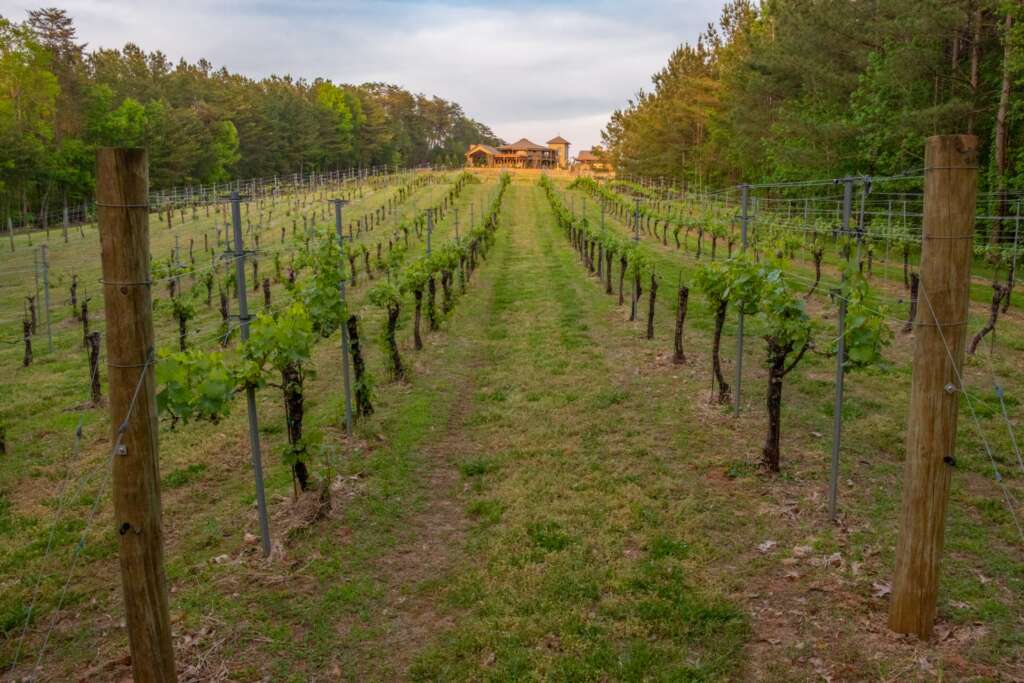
[{"x": 195, "y": 385}]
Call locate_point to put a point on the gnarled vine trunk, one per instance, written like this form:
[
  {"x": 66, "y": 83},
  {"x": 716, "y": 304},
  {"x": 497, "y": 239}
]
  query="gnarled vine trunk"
[
  {"x": 634, "y": 309},
  {"x": 182, "y": 332},
  {"x": 397, "y": 371},
  {"x": 446, "y": 289},
  {"x": 26, "y": 333},
  {"x": 998, "y": 293},
  {"x": 773, "y": 400},
  {"x": 906, "y": 266},
  {"x": 364, "y": 407},
  {"x": 679, "y": 358},
  {"x": 622, "y": 277},
  {"x": 716, "y": 355},
  {"x": 74, "y": 297},
  {"x": 608, "y": 272},
  {"x": 224, "y": 328},
  {"x": 94, "y": 368},
  {"x": 650, "y": 306},
  {"x": 431, "y": 303},
  {"x": 294, "y": 408},
  {"x": 915, "y": 283},
  {"x": 417, "y": 339},
  {"x": 85, "y": 322},
  {"x": 818, "y": 254}
]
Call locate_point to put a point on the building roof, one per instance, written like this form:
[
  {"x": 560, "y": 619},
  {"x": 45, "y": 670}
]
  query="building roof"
[
  {"x": 587, "y": 155},
  {"x": 523, "y": 145},
  {"x": 558, "y": 140},
  {"x": 484, "y": 148}
]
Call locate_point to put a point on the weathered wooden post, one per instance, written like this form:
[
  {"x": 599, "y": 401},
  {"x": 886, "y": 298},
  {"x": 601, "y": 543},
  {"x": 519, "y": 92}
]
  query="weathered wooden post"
[
  {"x": 950, "y": 188},
  {"x": 122, "y": 185}
]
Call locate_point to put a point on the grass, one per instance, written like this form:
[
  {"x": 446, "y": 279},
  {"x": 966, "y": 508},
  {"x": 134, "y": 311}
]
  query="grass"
[{"x": 547, "y": 497}]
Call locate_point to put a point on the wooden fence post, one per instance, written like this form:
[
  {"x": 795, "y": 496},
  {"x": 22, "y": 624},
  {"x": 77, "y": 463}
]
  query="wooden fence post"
[
  {"x": 950, "y": 189},
  {"x": 122, "y": 186}
]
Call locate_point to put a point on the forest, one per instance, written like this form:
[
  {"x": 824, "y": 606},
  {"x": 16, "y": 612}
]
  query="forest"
[
  {"x": 796, "y": 89},
  {"x": 60, "y": 101}
]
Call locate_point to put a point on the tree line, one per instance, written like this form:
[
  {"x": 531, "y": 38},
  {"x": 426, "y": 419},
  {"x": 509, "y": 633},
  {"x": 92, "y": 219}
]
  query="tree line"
[
  {"x": 59, "y": 101},
  {"x": 794, "y": 89}
]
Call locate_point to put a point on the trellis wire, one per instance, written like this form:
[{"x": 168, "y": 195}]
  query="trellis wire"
[
  {"x": 79, "y": 547},
  {"x": 61, "y": 500},
  {"x": 1007, "y": 495}
]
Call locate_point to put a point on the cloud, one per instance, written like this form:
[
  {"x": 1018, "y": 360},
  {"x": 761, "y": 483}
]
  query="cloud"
[{"x": 527, "y": 68}]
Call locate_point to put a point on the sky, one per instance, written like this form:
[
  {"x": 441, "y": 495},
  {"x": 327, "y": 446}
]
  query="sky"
[{"x": 527, "y": 68}]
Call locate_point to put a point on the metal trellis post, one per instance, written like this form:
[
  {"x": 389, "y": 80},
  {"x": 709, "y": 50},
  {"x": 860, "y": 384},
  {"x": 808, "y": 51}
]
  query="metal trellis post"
[
  {"x": 338, "y": 203},
  {"x": 744, "y": 222},
  {"x": 430, "y": 228},
  {"x": 837, "y": 408},
  {"x": 250, "y": 391},
  {"x": 636, "y": 240},
  {"x": 46, "y": 296}
]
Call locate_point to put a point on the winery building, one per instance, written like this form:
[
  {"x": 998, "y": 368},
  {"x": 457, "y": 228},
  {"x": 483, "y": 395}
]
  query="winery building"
[
  {"x": 592, "y": 161},
  {"x": 520, "y": 154}
]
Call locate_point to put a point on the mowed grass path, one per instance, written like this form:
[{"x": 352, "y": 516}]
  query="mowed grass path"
[{"x": 580, "y": 565}]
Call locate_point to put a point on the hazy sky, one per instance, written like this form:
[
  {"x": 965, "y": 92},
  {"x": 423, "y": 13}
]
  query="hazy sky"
[{"x": 527, "y": 68}]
